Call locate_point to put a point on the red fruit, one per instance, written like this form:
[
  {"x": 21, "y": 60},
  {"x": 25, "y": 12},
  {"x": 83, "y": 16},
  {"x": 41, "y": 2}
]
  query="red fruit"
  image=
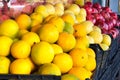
[
  {"x": 118, "y": 23},
  {"x": 27, "y": 9},
  {"x": 3, "y": 17},
  {"x": 94, "y": 10},
  {"x": 105, "y": 14},
  {"x": 91, "y": 18},
  {"x": 98, "y": 16},
  {"x": 114, "y": 32},
  {"x": 110, "y": 24},
  {"x": 113, "y": 15},
  {"x": 97, "y": 6},
  {"x": 107, "y": 9},
  {"x": 88, "y": 4},
  {"x": 103, "y": 26},
  {"x": 88, "y": 10}
]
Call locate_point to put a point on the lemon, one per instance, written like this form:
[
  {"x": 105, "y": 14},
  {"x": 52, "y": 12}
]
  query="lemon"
[
  {"x": 5, "y": 44},
  {"x": 20, "y": 49},
  {"x": 31, "y": 38},
  {"x": 69, "y": 77},
  {"x": 10, "y": 31},
  {"x": 63, "y": 61},
  {"x": 48, "y": 32},
  {"x": 4, "y": 65},
  {"x": 42, "y": 52},
  {"x": 57, "y": 49},
  {"x": 49, "y": 69}
]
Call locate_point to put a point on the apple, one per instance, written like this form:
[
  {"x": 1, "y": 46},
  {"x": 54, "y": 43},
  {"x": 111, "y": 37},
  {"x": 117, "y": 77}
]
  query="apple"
[
  {"x": 88, "y": 10},
  {"x": 3, "y": 17},
  {"x": 88, "y": 4},
  {"x": 105, "y": 14},
  {"x": 94, "y": 10},
  {"x": 107, "y": 9},
  {"x": 98, "y": 16},
  {"x": 114, "y": 32},
  {"x": 118, "y": 23},
  {"x": 113, "y": 15},
  {"x": 109, "y": 23},
  {"x": 97, "y": 6},
  {"x": 103, "y": 26},
  {"x": 27, "y": 9},
  {"x": 91, "y": 18}
]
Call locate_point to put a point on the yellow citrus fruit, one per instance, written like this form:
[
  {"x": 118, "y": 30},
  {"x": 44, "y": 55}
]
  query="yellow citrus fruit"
[
  {"x": 82, "y": 42},
  {"x": 4, "y": 65},
  {"x": 81, "y": 73},
  {"x": 66, "y": 41},
  {"x": 31, "y": 38},
  {"x": 22, "y": 32},
  {"x": 91, "y": 52},
  {"x": 58, "y": 22},
  {"x": 60, "y": 5},
  {"x": 41, "y": 9},
  {"x": 68, "y": 28},
  {"x": 48, "y": 32},
  {"x": 57, "y": 49},
  {"x": 97, "y": 36},
  {"x": 36, "y": 17},
  {"x": 24, "y": 21},
  {"x": 96, "y": 28},
  {"x": 20, "y": 66},
  {"x": 20, "y": 49},
  {"x": 35, "y": 28},
  {"x": 83, "y": 12},
  {"x": 49, "y": 69},
  {"x": 5, "y": 44},
  {"x": 69, "y": 77},
  {"x": 68, "y": 17},
  {"x": 83, "y": 28},
  {"x": 9, "y": 28},
  {"x": 91, "y": 63},
  {"x": 48, "y": 18},
  {"x": 104, "y": 46},
  {"x": 42, "y": 52},
  {"x": 79, "y": 57},
  {"x": 29, "y": 60},
  {"x": 63, "y": 61}
]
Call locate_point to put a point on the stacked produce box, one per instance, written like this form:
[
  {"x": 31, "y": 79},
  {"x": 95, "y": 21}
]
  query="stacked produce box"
[{"x": 53, "y": 40}]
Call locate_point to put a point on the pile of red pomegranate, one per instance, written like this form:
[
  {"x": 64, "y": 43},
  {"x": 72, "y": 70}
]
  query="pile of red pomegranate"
[{"x": 103, "y": 17}]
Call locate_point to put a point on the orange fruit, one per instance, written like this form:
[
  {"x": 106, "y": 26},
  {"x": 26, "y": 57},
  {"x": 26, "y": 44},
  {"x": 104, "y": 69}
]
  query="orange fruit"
[
  {"x": 79, "y": 57},
  {"x": 20, "y": 49},
  {"x": 24, "y": 21},
  {"x": 82, "y": 42},
  {"x": 35, "y": 28},
  {"x": 63, "y": 61},
  {"x": 69, "y": 18},
  {"x": 57, "y": 49},
  {"x": 91, "y": 52},
  {"x": 20, "y": 66},
  {"x": 81, "y": 73},
  {"x": 66, "y": 41},
  {"x": 91, "y": 63}
]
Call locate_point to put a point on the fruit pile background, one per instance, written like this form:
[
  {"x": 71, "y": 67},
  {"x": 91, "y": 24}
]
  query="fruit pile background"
[{"x": 55, "y": 39}]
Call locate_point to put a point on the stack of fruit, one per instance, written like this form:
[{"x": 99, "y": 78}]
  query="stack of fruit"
[{"x": 53, "y": 40}]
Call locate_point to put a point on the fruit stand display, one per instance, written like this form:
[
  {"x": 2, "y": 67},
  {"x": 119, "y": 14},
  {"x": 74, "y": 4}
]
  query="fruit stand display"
[{"x": 62, "y": 40}]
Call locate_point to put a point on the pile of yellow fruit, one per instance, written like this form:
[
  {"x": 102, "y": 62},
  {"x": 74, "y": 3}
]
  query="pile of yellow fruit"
[{"x": 53, "y": 40}]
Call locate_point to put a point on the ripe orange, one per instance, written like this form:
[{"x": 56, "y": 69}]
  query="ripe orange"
[
  {"x": 80, "y": 72},
  {"x": 24, "y": 21},
  {"x": 79, "y": 57},
  {"x": 63, "y": 61},
  {"x": 66, "y": 41},
  {"x": 20, "y": 66},
  {"x": 91, "y": 52}
]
